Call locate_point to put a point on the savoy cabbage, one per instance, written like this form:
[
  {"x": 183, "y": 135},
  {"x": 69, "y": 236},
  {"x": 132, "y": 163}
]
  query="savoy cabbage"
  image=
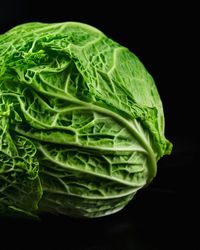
[{"x": 81, "y": 122}]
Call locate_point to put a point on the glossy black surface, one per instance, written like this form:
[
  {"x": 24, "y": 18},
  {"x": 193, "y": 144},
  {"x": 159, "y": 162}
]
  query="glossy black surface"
[{"x": 162, "y": 216}]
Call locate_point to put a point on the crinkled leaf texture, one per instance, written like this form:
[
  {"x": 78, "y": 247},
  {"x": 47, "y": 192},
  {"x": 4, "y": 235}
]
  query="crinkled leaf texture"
[{"x": 81, "y": 122}]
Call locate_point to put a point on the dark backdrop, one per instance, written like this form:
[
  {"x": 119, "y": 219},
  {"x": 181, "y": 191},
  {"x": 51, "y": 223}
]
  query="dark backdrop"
[{"x": 163, "y": 36}]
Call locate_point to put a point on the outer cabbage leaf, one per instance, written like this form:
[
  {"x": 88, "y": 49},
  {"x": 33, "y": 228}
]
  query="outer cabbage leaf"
[{"x": 20, "y": 189}]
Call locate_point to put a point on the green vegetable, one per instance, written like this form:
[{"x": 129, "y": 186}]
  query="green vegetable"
[{"x": 81, "y": 122}]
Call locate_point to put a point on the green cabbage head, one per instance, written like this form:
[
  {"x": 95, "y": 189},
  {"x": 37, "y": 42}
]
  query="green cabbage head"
[{"x": 81, "y": 122}]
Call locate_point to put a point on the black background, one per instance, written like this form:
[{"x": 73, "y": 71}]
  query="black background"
[{"x": 161, "y": 216}]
